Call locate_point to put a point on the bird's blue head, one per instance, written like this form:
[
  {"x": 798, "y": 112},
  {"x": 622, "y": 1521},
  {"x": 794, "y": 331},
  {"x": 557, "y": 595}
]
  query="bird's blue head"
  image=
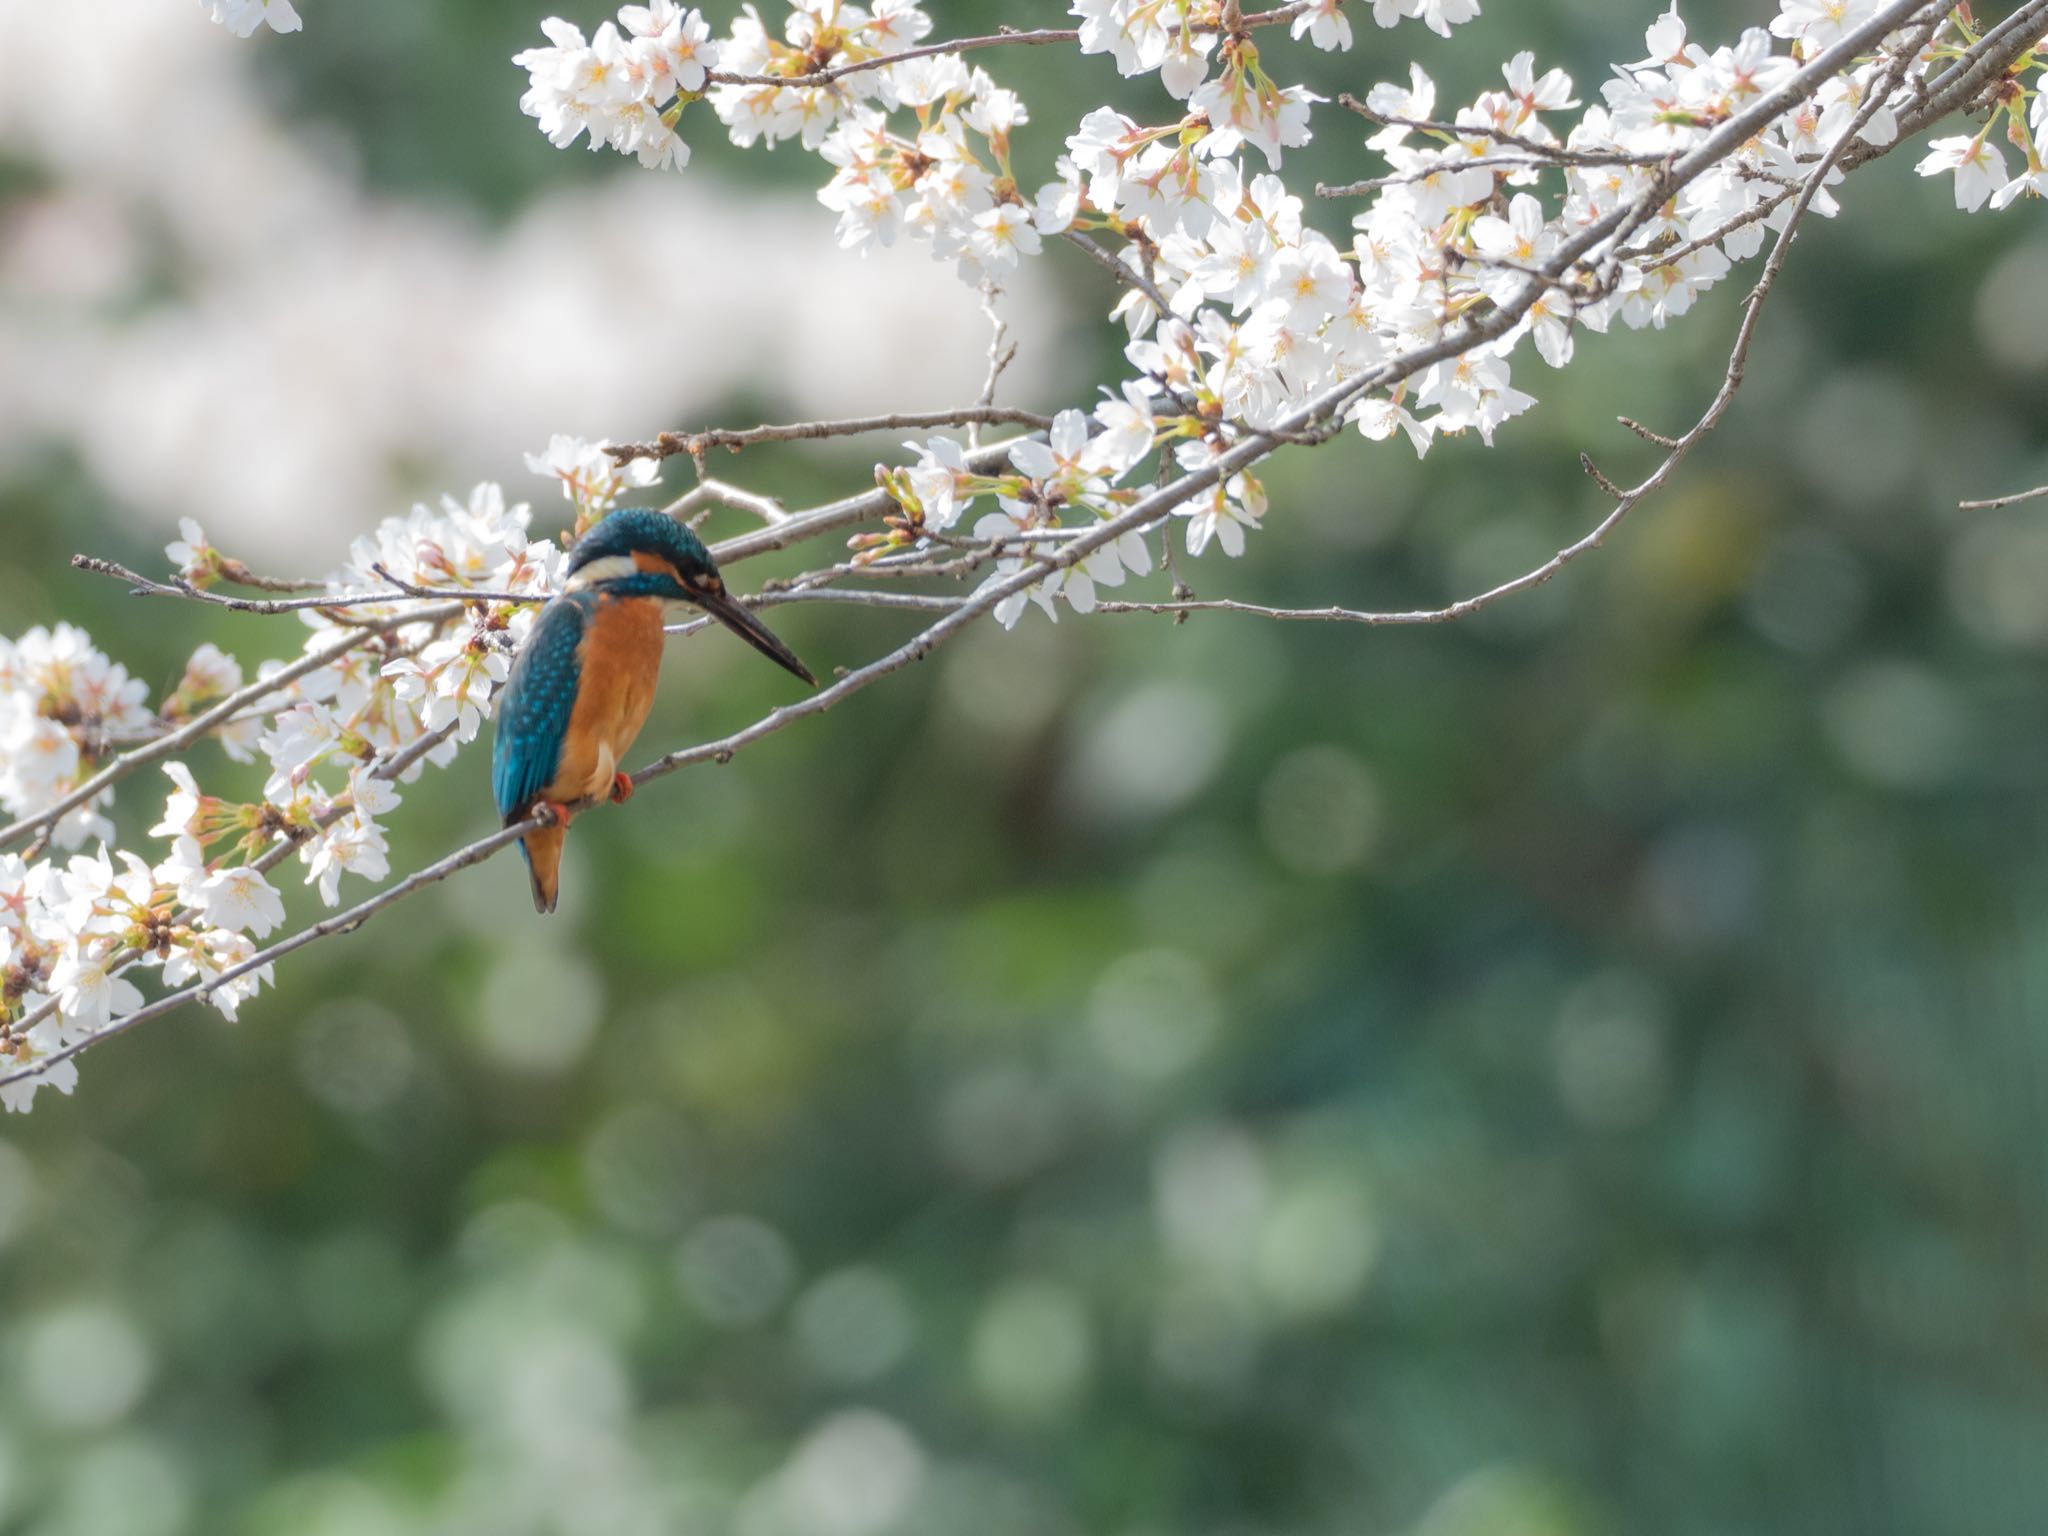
[
  {"x": 640, "y": 540},
  {"x": 637, "y": 552}
]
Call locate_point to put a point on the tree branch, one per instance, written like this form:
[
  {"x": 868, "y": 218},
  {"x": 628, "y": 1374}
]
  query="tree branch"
[
  {"x": 401, "y": 591},
  {"x": 697, "y": 444},
  {"x": 820, "y": 77},
  {"x": 2014, "y": 500},
  {"x": 1009, "y": 37},
  {"x": 1130, "y": 277}
]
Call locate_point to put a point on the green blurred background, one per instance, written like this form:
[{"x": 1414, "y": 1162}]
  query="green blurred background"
[{"x": 1580, "y": 1072}]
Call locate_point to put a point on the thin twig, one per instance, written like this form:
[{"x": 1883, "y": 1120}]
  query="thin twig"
[
  {"x": 669, "y": 444},
  {"x": 912, "y": 602},
  {"x": 850, "y": 512},
  {"x": 818, "y": 77},
  {"x": 999, "y": 356},
  {"x": 2035, "y": 494},
  {"x": 1536, "y": 154},
  {"x": 1480, "y": 163},
  {"x": 1554, "y": 152},
  {"x": 242, "y": 576},
  {"x": 473, "y": 595},
  {"x": 1599, "y": 478},
  {"x": 1007, "y": 38},
  {"x": 1130, "y": 276},
  {"x": 1645, "y": 433},
  {"x": 402, "y": 591},
  {"x": 697, "y": 503}
]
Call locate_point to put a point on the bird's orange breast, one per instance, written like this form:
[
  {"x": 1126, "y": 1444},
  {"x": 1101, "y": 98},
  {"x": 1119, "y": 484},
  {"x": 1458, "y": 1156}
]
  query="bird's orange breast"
[{"x": 620, "y": 664}]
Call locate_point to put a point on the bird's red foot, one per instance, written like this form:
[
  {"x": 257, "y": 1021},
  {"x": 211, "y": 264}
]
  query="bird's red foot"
[
  {"x": 557, "y": 814},
  {"x": 622, "y": 788}
]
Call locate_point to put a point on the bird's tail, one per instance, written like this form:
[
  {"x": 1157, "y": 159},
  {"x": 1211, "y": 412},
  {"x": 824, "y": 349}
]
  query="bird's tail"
[{"x": 542, "y": 850}]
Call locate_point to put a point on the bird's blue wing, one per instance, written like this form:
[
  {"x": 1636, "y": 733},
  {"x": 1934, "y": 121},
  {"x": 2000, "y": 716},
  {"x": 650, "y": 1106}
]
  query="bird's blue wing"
[{"x": 534, "y": 708}]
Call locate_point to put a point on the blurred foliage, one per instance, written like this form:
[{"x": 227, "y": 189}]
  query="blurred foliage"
[{"x": 1580, "y": 1071}]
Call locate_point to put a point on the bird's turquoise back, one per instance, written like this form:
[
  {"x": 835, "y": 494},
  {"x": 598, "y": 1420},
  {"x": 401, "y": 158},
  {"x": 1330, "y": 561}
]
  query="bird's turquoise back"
[{"x": 534, "y": 708}]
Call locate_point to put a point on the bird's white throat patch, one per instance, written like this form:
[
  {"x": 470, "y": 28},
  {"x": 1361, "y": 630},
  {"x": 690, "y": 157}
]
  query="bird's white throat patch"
[{"x": 610, "y": 568}]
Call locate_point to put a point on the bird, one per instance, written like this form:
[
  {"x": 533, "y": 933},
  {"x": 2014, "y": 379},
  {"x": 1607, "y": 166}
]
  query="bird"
[{"x": 580, "y": 688}]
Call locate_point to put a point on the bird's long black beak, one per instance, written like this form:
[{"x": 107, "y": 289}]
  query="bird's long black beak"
[{"x": 750, "y": 629}]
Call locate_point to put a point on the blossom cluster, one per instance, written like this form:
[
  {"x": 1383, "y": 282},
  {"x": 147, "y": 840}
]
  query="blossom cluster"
[
  {"x": 625, "y": 85},
  {"x": 1239, "y": 311},
  {"x": 1982, "y": 174},
  {"x": 590, "y": 478},
  {"x": 1262, "y": 313},
  {"x": 388, "y": 681},
  {"x": 63, "y": 708}
]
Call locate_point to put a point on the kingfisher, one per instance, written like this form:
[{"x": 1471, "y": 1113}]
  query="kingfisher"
[{"x": 581, "y": 686}]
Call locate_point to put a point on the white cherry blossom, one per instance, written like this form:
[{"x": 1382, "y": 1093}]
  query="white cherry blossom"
[
  {"x": 240, "y": 900},
  {"x": 1324, "y": 24},
  {"x": 244, "y": 17},
  {"x": 1978, "y": 168}
]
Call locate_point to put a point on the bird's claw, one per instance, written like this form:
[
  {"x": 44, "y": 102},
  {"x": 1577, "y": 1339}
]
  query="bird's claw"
[{"x": 622, "y": 788}]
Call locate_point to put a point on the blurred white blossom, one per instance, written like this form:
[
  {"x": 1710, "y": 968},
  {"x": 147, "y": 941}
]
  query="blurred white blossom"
[{"x": 243, "y": 17}]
